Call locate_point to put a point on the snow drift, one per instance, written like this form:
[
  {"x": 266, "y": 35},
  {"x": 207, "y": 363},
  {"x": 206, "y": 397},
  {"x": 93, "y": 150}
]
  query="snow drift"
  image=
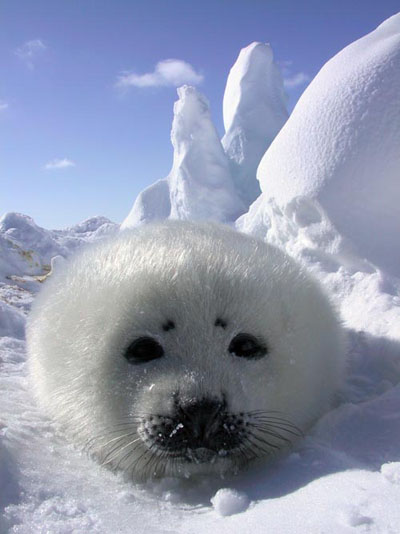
[{"x": 339, "y": 153}]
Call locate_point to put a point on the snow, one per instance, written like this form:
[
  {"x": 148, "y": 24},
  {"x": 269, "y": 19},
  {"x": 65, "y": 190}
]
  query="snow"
[
  {"x": 228, "y": 502},
  {"x": 152, "y": 204},
  {"x": 254, "y": 108},
  {"x": 329, "y": 182},
  {"x": 391, "y": 471},
  {"x": 340, "y": 150},
  {"x": 27, "y": 249},
  {"x": 210, "y": 180},
  {"x": 12, "y": 321},
  {"x": 199, "y": 186}
]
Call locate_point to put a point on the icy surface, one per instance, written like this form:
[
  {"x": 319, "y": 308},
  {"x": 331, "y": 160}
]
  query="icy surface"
[
  {"x": 199, "y": 186},
  {"x": 340, "y": 150},
  {"x": 254, "y": 109},
  {"x": 344, "y": 476}
]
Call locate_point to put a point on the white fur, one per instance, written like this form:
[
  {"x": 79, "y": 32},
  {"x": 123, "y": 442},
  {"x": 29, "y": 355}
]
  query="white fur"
[{"x": 127, "y": 287}]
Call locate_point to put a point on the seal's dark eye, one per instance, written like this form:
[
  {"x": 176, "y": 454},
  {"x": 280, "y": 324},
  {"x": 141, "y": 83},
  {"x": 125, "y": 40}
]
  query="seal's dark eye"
[
  {"x": 247, "y": 346},
  {"x": 143, "y": 350}
]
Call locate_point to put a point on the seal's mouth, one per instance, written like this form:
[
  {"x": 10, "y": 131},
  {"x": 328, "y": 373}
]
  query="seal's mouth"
[
  {"x": 201, "y": 455},
  {"x": 204, "y": 455}
]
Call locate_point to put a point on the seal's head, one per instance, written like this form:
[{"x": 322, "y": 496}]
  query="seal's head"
[{"x": 181, "y": 348}]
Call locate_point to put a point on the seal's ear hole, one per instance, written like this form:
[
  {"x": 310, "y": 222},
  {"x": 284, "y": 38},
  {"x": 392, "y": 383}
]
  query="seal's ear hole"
[
  {"x": 247, "y": 346},
  {"x": 220, "y": 322},
  {"x": 143, "y": 349}
]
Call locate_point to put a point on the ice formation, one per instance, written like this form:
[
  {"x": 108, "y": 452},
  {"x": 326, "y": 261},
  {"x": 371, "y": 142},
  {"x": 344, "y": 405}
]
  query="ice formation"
[
  {"x": 205, "y": 182},
  {"x": 254, "y": 109},
  {"x": 199, "y": 185},
  {"x": 339, "y": 155}
]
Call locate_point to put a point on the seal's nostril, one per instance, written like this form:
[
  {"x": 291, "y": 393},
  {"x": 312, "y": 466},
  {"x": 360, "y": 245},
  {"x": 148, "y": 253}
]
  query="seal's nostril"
[{"x": 201, "y": 417}]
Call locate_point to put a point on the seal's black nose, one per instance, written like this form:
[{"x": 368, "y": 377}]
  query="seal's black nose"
[
  {"x": 198, "y": 430},
  {"x": 202, "y": 419}
]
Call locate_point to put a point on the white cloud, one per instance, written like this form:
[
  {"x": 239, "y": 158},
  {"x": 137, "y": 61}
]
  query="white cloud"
[
  {"x": 3, "y": 105},
  {"x": 59, "y": 164},
  {"x": 30, "y": 50},
  {"x": 170, "y": 72},
  {"x": 295, "y": 80}
]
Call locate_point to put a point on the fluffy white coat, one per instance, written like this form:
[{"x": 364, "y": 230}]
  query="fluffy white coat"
[{"x": 128, "y": 287}]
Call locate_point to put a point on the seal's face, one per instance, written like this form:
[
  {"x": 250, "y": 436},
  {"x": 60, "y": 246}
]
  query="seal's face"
[
  {"x": 182, "y": 348},
  {"x": 193, "y": 421}
]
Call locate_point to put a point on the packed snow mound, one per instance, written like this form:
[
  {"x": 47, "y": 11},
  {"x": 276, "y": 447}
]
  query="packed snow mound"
[
  {"x": 152, "y": 204},
  {"x": 254, "y": 109},
  {"x": 228, "y": 502},
  {"x": 12, "y": 321},
  {"x": 199, "y": 186},
  {"x": 338, "y": 156},
  {"x": 27, "y": 249}
]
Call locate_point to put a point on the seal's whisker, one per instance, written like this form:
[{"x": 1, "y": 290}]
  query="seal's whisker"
[
  {"x": 152, "y": 468},
  {"x": 262, "y": 441},
  {"x": 248, "y": 447},
  {"x": 266, "y": 412},
  {"x": 136, "y": 462},
  {"x": 289, "y": 427},
  {"x": 293, "y": 430},
  {"x": 150, "y": 460},
  {"x": 273, "y": 421},
  {"x": 117, "y": 451},
  {"x": 118, "y": 438},
  {"x": 92, "y": 441},
  {"x": 272, "y": 431},
  {"x": 130, "y": 452},
  {"x": 245, "y": 450}
]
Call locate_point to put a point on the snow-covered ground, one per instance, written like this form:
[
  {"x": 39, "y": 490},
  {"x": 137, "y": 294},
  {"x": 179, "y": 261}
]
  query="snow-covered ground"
[{"x": 330, "y": 186}]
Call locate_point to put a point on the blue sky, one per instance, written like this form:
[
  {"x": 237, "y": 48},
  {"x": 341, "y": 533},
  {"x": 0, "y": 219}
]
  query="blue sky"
[{"x": 74, "y": 145}]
